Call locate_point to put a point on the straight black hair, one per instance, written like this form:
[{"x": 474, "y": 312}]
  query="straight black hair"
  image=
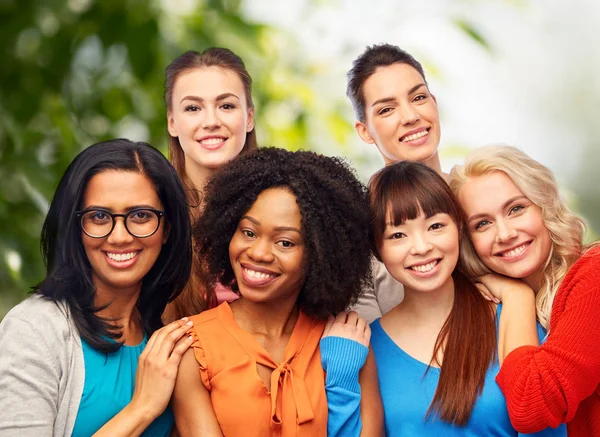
[{"x": 68, "y": 270}]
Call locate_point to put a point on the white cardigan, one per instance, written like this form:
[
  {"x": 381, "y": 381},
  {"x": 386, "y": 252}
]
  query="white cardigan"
[{"x": 41, "y": 370}]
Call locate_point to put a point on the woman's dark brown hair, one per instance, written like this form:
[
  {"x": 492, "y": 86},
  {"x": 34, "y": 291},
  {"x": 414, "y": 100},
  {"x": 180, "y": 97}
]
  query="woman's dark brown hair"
[
  {"x": 195, "y": 298},
  {"x": 401, "y": 192}
]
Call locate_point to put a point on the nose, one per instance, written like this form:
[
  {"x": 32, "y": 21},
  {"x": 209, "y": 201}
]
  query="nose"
[
  {"x": 408, "y": 114},
  {"x": 211, "y": 119},
  {"x": 260, "y": 251},
  {"x": 420, "y": 244},
  {"x": 504, "y": 232},
  {"x": 119, "y": 234}
]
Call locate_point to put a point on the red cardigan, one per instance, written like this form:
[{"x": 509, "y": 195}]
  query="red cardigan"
[{"x": 559, "y": 381}]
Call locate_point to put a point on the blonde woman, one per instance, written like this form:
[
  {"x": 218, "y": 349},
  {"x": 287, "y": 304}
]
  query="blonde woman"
[{"x": 526, "y": 232}]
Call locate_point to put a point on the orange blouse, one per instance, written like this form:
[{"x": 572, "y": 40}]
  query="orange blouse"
[{"x": 228, "y": 356}]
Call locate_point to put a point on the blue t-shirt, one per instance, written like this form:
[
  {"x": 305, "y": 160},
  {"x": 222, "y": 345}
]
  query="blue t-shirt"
[
  {"x": 108, "y": 388},
  {"x": 407, "y": 391}
]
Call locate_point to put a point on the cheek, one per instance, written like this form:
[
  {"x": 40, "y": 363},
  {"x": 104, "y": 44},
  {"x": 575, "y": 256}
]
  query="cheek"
[{"x": 481, "y": 244}]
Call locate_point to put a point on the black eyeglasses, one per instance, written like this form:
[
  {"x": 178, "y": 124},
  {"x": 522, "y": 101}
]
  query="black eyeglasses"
[{"x": 140, "y": 222}]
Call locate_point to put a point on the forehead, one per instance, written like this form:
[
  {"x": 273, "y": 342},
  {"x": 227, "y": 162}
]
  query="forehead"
[
  {"x": 207, "y": 82},
  {"x": 119, "y": 189},
  {"x": 487, "y": 193},
  {"x": 276, "y": 207},
  {"x": 390, "y": 81}
]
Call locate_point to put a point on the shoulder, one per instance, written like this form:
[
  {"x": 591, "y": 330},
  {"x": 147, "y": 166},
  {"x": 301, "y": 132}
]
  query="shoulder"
[
  {"x": 37, "y": 315},
  {"x": 586, "y": 268},
  {"x": 209, "y": 323}
]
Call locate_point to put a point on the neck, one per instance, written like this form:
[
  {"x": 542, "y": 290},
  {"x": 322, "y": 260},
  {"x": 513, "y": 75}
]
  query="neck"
[
  {"x": 429, "y": 307},
  {"x": 198, "y": 174},
  {"x": 121, "y": 308},
  {"x": 272, "y": 320},
  {"x": 434, "y": 163},
  {"x": 535, "y": 280}
]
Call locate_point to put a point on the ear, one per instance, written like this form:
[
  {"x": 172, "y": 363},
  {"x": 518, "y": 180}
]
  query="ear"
[
  {"x": 250, "y": 121},
  {"x": 363, "y": 132},
  {"x": 171, "y": 125}
]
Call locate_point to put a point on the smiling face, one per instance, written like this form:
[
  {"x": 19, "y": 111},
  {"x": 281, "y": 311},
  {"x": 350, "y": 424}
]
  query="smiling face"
[
  {"x": 421, "y": 253},
  {"x": 401, "y": 116},
  {"x": 210, "y": 116},
  {"x": 120, "y": 261},
  {"x": 267, "y": 249},
  {"x": 506, "y": 228}
]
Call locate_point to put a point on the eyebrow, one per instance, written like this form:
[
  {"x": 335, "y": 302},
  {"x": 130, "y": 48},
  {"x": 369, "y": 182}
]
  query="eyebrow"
[
  {"x": 218, "y": 98},
  {"x": 278, "y": 228},
  {"x": 393, "y": 99},
  {"x": 508, "y": 202},
  {"x": 127, "y": 209}
]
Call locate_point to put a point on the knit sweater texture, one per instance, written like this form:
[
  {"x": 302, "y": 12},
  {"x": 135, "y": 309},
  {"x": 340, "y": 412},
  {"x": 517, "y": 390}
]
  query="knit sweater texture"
[{"x": 559, "y": 381}]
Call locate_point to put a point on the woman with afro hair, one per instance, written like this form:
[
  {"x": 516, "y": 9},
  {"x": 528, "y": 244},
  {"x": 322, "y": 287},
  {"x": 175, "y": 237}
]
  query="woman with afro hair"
[{"x": 288, "y": 232}]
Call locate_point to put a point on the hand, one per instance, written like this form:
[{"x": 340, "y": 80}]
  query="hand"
[
  {"x": 496, "y": 288},
  {"x": 158, "y": 365},
  {"x": 350, "y": 326}
]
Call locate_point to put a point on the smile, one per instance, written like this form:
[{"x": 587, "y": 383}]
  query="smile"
[
  {"x": 121, "y": 257},
  {"x": 415, "y": 136},
  {"x": 259, "y": 275},
  {"x": 514, "y": 252},
  {"x": 425, "y": 268}
]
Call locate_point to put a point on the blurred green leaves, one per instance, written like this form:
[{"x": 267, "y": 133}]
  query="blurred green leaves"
[{"x": 80, "y": 71}]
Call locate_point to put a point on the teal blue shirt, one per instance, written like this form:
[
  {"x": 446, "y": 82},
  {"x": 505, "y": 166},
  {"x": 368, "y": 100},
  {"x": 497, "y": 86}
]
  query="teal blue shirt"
[
  {"x": 108, "y": 388},
  {"x": 407, "y": 390}
]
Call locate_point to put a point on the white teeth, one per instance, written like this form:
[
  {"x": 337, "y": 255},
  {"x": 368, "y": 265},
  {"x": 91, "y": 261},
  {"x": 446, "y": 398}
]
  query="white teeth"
[
  {"x": 516, "y": 251},
  {"x": 258, "y": 275},
  {"x": 121, "y": 256},
  {"x": 416, "y": 136},
  {"x": 212, "y": 141},
  {"x": 424, "y": 268}
]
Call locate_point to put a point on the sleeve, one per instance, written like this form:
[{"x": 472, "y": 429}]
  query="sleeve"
[
  {"x": 544, "y": 385},
  {"x": 378, "y": 299},
  {"x": 201, "y": 358},
  {"x": 29, "y": 380},
  {"x": 342, "y": 360}
]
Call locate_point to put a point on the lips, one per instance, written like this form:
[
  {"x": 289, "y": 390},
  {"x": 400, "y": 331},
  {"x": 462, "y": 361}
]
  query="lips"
[
  {"x": 257, "y": 276},
  {"x": 425, "y": 268},
  {"x": 212, "y": 142},
  {"x": 122, "y": 260},
  {"x": 514, "y": 252},
  {"x": 415, "y": 135}
]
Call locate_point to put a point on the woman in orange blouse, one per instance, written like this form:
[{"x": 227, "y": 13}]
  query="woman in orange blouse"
[{"x": 287, "y": 231}]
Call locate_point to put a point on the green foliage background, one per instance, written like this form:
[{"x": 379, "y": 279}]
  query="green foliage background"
[
  {"x": 75, "y": 72},
  {"x": 80, "y": 71}
]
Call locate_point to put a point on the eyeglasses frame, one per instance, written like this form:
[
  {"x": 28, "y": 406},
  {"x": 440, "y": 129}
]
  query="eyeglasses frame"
[{"x": 80, "y": 214}]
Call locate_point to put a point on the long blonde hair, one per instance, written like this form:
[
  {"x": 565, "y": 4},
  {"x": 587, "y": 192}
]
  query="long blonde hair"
[{"x": 539, "y": 185}]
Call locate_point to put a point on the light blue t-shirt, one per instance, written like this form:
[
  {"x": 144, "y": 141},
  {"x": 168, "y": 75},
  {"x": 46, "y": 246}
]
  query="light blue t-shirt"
[
  {"x": 108, "y": 388},
  {"x": 407, "y": 391}
]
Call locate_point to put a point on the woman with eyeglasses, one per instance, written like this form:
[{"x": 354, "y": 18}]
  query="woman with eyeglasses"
[{"x": 87, "y": 354}]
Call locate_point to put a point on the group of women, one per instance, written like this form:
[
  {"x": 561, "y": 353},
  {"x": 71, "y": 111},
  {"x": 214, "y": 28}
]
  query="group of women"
[{"x": 209, "y": 297}]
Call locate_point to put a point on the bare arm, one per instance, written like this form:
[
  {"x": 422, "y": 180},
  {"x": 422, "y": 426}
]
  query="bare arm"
[
  {"x": 518, "y": 319},
  {"x": 194, "y": 415},
  {"x": 371, "y": 406},
  {"x": 154, "y": 381}
]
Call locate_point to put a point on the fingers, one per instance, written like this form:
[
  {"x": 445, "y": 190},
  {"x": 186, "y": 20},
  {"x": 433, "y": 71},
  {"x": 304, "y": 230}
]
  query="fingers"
[
  {"x": 328, "y": 325},
  {"x": 180, "y": 347},
  {"x": 486, "y": 293},
  {"x": 163, "y": 341}
]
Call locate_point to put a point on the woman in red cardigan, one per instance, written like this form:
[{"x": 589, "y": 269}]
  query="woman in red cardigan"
[{"x": 521, "y": 228}]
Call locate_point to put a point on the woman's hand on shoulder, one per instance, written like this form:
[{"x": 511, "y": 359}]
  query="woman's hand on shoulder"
[
  {"x": 158, "y": 365},
  {"x": 496, "y": 288},
  {"x": 350, "y": 326}
]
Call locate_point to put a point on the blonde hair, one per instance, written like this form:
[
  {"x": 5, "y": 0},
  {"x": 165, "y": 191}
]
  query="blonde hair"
[{"x": 539, "y": 185}]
